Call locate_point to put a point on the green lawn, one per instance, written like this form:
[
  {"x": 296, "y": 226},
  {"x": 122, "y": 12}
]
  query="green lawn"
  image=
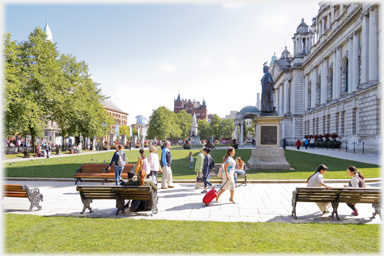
[
  {"x": 48, "y": 235},
  {"x": 303, "y": 163}
]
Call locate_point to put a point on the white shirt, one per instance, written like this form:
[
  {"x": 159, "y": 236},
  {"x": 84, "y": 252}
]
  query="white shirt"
[
  {"x": 355, "y": 181},
  {"x": 153, "y": 160},
  {"x": 312, "y": 140},
  {"x": 315, "y": 180}
]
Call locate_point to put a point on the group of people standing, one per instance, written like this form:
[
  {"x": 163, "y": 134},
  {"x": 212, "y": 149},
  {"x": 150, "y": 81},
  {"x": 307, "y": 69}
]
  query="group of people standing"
[{"x": 317, "y": 180}]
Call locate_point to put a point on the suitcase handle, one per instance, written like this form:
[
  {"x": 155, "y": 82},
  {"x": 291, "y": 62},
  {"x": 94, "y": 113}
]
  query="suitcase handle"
[{"x": 222, "y": 187}]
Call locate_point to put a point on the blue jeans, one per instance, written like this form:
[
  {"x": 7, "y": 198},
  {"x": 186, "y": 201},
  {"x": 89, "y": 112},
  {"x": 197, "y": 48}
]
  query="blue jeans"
[
  {"x": 238, "y": 172},
  {"x": 118, "y": 171},
  {"x": 206, "y": 181},
  {"x": 190, "y": 165}
]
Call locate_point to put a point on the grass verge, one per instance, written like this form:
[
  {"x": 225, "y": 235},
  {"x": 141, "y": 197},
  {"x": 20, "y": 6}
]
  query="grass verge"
[
  {"x": 303, "y": 163},
  {"x": 38, "y": 234}
]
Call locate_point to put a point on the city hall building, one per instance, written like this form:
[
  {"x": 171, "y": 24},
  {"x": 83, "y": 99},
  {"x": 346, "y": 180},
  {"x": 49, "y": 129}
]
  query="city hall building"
[{"x": 331, "y": 82}]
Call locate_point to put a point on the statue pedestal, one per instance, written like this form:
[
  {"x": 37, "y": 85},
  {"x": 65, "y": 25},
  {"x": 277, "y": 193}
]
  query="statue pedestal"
[{"x": 268, "y": 155}]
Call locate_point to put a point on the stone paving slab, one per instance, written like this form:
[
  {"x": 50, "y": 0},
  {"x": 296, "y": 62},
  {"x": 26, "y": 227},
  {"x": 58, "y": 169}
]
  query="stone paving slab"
[{"x": 255, "y": 203}]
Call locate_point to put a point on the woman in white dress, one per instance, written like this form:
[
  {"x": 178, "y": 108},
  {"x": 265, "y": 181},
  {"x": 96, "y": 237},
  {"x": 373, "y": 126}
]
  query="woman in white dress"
[
  {"x": 317, "y": 180},
  {"x": 228, "y": 174}
]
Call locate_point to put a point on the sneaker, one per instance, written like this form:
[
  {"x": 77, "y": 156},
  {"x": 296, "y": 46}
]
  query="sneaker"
[
  {"x": 325, "y": 212},
  {"x": 355, "y": 213},
  {"x": 204, "y": 191},
  {"x": 164, "y": 187}
]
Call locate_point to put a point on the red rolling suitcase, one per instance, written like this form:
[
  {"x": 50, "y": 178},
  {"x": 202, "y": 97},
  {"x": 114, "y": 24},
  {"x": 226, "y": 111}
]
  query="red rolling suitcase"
[{"x": 211, "y": 195}]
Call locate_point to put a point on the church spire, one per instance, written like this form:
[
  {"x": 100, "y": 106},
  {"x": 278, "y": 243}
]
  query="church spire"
[{"x": 48, "y": 32}]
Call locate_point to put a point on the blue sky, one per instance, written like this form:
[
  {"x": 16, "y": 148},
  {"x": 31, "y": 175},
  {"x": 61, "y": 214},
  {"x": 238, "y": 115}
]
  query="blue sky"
[{"x": 143, "y": 55}]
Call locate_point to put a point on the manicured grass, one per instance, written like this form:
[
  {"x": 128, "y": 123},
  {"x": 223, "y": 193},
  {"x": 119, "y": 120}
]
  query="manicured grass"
[
  {"x": 303, "y": 163},
  {"x": 38, "y": 234}
]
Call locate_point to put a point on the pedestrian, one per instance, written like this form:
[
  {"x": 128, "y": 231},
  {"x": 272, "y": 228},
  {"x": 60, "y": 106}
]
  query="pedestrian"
[
  {"x": 190, "y": 160},
  {"x": 37, "y": 150},
  {"x": 143, "y": 163},
  {"x": 228, "y": 172},
  {"x": 357, "y": 181},
  {"x": 48, "y": 149},
  {"x": 312, "y": 143},
  {"x": 298, "y": 144},
  {"x": 130, "y": 145},
  {"x": 306, "y": 143},
  {"x": 239, "y": 169},
  {"x": 119, "y": 160},
  {"x": 153, "y": 160},
  {"x": 166, "y": 161},
  {"x": 207, "y": 168},
  {"x": 317, "y": 180},
  {"x": 284, "y": 142},
  {"x": 199, "y": 168}
]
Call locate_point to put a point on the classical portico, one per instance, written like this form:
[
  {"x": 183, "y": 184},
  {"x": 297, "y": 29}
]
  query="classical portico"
[{"x": 248, "y": 112}]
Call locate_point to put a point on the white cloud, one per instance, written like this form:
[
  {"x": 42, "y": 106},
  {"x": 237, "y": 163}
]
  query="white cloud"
[
  {"x": 232, "y": 5},
  {"x": 205, "y": 63},
  {"x": 168, "y": 68},
  {"x": 276, "y": 22}
]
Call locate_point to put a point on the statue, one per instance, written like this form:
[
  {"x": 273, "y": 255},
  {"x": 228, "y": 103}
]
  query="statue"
[{"x": 267, "y": 91}]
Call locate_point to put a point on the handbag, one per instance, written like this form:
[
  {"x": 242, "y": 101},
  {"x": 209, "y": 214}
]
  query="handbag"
[
  {"x": 220, "y": 173},
  {"x": 199, "y": 179}
]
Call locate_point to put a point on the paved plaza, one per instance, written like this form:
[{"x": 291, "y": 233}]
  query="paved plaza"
[{"x": 258, "y": 202}]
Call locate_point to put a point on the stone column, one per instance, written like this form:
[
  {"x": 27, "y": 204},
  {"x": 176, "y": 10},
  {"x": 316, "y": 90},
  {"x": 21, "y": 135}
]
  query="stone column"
[
  {"x": 94, "y": 143},
  {"x": 277, "y": 100},
  {"x": 286, "y": 97},
  {"x": 325, "y": 84},
  {"x": 356, "y": 68},
  {"x": 281, "y": 107},
  {"x": 236, "y": 132},
  {"x": 364, "y": 49},
  {"x": 329, "y": 21},
  {"x": 373, "y": 44},
  {"x": 306, "y": 93},
  {"x": 294, "y": 47},
  {"x": 242, "y": 133},
  {"x": 338, "y": 72},
  {"x": 341, "y": 9},
  {"x": 322, "y": 27},
  {"x": 334, "y": 74},
  {"x": 350, "y": 64},
  {"x": 332, "y": 14},
  {"x": 313, "y": 87}
]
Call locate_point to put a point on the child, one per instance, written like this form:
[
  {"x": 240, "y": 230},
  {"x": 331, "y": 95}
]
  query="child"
[{"x": 190, "y": 160}]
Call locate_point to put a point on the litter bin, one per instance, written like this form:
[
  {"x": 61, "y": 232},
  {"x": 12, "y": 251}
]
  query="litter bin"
[{"x": 58, "y": 150}]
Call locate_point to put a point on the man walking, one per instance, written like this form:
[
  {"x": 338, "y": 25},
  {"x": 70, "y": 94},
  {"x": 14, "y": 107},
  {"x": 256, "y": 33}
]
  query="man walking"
[{"x": 166, "y": 161}]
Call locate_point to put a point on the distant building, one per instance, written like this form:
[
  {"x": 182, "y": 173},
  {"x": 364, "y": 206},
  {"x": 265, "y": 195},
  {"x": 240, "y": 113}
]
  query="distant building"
[
  {"x": 121, "y": 118},
  {"x": 192, "y": 107}
]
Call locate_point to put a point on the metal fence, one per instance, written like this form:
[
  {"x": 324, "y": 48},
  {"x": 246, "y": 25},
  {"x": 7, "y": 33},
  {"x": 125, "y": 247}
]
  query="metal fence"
[{"x": 358, "y": 148}]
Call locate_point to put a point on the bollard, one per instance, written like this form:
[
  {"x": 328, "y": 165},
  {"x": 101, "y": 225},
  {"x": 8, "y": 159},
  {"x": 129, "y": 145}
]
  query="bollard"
[
  {"x": 363, "y": 147},
  {"x": 354, "y": 147},
  {"x": 346, "y": 146}
]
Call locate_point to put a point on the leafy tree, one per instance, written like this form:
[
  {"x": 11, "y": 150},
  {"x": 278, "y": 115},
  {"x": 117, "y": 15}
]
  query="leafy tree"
[
  {"x": 135, "y": 131},
  {"x": 204, "y": 129},
  {"x": 162, "y": 124},
  {"x": 124, "y": 130},
  {"x": 184, "y": 121},
  {"x": 228, "y": 126},
  {"x": 216, "y": 127}
]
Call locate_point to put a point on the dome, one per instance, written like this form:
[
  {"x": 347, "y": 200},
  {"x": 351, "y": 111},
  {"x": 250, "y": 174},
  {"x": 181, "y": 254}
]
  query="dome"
[
  {"x": 48, "y": 32},
  {"x": 285, "y": 54},
  {"x": 273, "y": 59},
  {"x": 249, "y": 109},
  {"x": 142, "y": 120},
  {"x": 302, "y": 28}
]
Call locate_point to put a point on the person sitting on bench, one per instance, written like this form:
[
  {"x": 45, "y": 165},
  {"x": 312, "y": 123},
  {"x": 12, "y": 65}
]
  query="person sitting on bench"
[{"x": 317, "y": 180}]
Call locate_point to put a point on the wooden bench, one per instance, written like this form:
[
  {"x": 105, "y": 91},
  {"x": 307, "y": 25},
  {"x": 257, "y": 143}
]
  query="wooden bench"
[
  {"x": 118, "y": 193},
  {"x": 215, "y": 171},
  {"x": 336, "y": 196},
  {"x": 100, "y": 171},
  {"x": 23, "y": 191}
]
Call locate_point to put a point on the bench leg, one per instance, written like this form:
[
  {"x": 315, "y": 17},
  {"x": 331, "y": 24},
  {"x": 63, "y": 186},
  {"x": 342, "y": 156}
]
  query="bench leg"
[
  {"x": 34, "y": 197},
  {"x": 77, "y": 180},
  {"x": 119, "y": 205},
  {"x": 294, "y": 203},
  {"x": 86, "y": 203},
  {"x": 335, "y": 205},
  {"x": 377, "y": 210}
]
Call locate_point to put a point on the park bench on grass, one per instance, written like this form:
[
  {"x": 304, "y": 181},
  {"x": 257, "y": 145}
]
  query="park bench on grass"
[
  {"x": 336, "y": 196},
  {"x": 33, "y": 195},
  {"x": 100, "y": 171},
  {"x": 118, "y": 193},
  {"x": 215, "y": 171}
]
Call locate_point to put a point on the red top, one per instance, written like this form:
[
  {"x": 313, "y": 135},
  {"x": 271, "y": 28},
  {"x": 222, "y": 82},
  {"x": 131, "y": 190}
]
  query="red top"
[{"x": 298, "y": 143}]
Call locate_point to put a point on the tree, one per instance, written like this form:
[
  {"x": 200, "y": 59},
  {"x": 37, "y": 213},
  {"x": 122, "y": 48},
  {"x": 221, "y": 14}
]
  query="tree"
[
  {"x": 204, "y": 129},
  {"x": 134, "y": 131},
  {"x": 216, "y": 127},
  {"x": 124, "y": 130},
  {"x": 162, "y": 124},
  {"x": 228, "y": 127},
  {"x": 184, "y": 121}
]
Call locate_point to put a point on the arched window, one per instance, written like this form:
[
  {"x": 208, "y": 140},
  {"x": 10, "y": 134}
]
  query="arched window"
[
  {"x": 309, "y": 95},
  {"x": 330, "y": 83},
  {"x": 346, "y": 76}
]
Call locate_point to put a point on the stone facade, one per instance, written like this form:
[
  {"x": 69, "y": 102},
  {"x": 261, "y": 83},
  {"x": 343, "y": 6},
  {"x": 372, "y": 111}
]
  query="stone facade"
[{"x": 331, "y": 84}]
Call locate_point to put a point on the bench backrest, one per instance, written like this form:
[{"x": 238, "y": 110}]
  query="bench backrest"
[
  {"x": 113, "y": 191},
  {"x": 98, "y": 168},
  {"x": 343, "y": 195},
  {"x": 14, "y": 190}
]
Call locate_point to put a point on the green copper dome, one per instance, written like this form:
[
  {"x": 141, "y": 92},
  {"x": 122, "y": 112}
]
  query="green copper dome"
[{"x": 249, "y": 109}]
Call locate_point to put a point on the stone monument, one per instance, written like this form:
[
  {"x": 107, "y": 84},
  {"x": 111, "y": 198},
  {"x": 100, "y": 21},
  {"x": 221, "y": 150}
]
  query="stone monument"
[
  {"x": 194, "y": 138},
  {"x": 267, "y": 155}
]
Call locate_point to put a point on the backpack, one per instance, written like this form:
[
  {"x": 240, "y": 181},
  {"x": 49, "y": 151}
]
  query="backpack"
[
  {"x": 212, "y": 163},
  {"x": 121, "y": 160}
]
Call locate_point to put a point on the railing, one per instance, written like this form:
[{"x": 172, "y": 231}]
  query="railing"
[{"x": 362, "y": 148}]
